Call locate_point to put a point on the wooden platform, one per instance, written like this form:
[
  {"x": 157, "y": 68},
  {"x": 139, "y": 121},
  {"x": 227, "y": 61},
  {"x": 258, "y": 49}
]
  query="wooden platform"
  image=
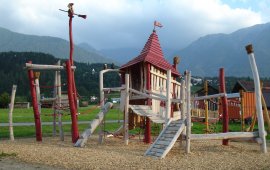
[{"x": 144, "y": 110}]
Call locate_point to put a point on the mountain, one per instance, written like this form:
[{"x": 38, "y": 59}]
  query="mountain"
[
  {"x": 11, "y": 41},
  {"x": 123, "y": 55},
  {"x": 207, "y": 54}
]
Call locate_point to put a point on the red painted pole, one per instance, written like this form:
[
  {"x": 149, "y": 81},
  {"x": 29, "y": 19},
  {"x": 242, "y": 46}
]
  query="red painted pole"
[
  {"x": 73, "y": 110},
  {"x": 147, "y": 133},
  {"x": 35, "y": 104},
  {"x": 224, "y": 105},
  {"x": 71, "y": 49}
]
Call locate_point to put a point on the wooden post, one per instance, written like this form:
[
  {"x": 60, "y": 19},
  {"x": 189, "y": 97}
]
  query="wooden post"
[
  {"x": 182, "y": 107},
  {"x": 74, "y": 128},
  {"x": 256, "y": 77},
  {"x": 168, "y": 94},
  {"x": 37, "y": 87},
  {"x": 101, "y": 92},
  {"x": 10, "y": 114},
  {"x": 222, "y": 88},
  {"x": 188, "y": 127},
  {"x": 126, "y": 109},
  {"x": 242, "y": 110},
  {"x": 59, "y": 102},
  {"x": 206, "y": 106},
  {"x": 183, "y": 90},
  {"x": 55, "y": 104},
  {"x": 147, "y": 133},
  {"x": 35, "y": 104}
]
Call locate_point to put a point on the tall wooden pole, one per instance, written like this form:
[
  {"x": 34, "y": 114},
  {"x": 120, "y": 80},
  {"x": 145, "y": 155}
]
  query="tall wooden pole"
[
  {"x": 256, "y": 77},
  {"x": 74, "y": 128},
  {"x": 35, "y": 104},
  {"x": 55, "y": 104},
  {"x": 10, "y": 114},
  {"x": 225, "y": 117},
  {"x": 168, "y": 94},
  {"x": 126, "y": 135},
  {"x": 59, "y": 102},
  {"x": 147, "y": 133},
  {"x": 206, "y": 106},
  {"x": 188, "y": 120}
]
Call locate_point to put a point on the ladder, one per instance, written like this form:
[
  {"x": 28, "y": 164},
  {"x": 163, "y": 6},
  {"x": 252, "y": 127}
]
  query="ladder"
[{"x": 166, "y": 139}]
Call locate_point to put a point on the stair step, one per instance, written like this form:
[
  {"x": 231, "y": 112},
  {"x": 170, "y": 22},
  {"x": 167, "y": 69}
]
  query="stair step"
[
  {"x": 170, "y": 131},
  {"x": 165, "y": 139},
  {"x": 156, "y": 154},
  {"x": 173, "y": 128},
  {"x": 158, "y": 146},
  {"x": 167, "y": 135},
  {"x": 163, "y": 142},
  {"x": 157, "y": 150}
]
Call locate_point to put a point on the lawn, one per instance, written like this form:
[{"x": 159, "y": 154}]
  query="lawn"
[{"x": 87, "y": 114}]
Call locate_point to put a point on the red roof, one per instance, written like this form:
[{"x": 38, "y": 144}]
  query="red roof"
[{"x": 152, "y": 53}]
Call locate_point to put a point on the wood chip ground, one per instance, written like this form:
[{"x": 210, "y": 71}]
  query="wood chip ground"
[{"x": 113, "y": 154}]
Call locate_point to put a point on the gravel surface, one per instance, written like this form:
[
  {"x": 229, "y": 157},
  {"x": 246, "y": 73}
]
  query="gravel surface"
[{"x": 113, "y": 154}]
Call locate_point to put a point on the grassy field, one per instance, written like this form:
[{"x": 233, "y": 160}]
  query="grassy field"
[
  {"x": 87, "y": 114},
  {"x": 26, "y": 115}
]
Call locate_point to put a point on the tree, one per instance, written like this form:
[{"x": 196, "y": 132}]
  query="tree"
[{"x": 4, "y": 100}]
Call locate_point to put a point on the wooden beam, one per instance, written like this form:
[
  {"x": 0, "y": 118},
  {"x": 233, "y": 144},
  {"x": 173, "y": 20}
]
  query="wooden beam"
[
  {"x": 209, "y": 96},
  {"x": 45, "y": 67},
  {"x": 221, "y": 136}
]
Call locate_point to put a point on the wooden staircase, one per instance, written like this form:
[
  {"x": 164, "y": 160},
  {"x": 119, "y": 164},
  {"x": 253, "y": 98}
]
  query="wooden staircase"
[{"x": 166, "y": 139}]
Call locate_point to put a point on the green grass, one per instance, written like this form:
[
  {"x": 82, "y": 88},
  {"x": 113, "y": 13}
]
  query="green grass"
[
  {"x": 26, "y": 115},
  {"x": 87, "y": 114}
]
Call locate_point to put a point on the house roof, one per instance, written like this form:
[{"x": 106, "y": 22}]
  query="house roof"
[
  {"x": 248, "y": 86},
  {"x": 152, "y": 53}
]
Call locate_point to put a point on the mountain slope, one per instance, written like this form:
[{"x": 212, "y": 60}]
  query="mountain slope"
[
  {"x": 206, "y": 55},
  {"x": 11, "y": 41}
]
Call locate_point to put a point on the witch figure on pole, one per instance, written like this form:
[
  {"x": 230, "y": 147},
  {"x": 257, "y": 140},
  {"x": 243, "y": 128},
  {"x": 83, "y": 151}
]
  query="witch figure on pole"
[{"x": 72, "y": 92}]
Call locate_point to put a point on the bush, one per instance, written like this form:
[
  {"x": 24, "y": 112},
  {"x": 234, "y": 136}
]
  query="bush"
[{"x": 4, "y": 100}]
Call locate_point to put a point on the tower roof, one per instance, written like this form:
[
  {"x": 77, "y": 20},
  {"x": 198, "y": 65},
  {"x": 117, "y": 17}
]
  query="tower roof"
[{"x": 152, "y": 53}]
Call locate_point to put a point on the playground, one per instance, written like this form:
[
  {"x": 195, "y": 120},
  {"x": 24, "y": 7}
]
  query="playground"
[
  {"x": 153, "y": 93},
  {"x": 112, "y": 154}
]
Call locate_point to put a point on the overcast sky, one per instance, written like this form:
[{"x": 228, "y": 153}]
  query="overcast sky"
[{"x": 128, "y": 23}]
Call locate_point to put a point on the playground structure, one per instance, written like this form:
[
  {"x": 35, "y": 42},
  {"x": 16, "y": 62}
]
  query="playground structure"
[
  {"x": 72, "y": 92},
  {"x": 150, "y": 92},
  {"x": 150, "y": 99}
]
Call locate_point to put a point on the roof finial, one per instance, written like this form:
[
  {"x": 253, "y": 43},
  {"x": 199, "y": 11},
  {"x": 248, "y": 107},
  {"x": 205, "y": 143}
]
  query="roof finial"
[{"x": 157, "y": 24}]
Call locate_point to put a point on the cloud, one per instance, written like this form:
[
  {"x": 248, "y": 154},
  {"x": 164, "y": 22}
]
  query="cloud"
[{"x": 127, "y": 23}]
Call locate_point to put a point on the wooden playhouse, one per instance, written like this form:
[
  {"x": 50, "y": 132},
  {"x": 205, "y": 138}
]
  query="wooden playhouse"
[{"x": 148, "y": 75}]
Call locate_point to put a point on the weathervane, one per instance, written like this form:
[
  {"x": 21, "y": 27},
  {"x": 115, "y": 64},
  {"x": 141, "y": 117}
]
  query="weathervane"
[{"x": 157, "y": 24}]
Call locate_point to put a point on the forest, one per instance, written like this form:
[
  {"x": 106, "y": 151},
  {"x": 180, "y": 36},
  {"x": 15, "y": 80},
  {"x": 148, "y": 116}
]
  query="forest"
[{"x": 13, "y": 71}]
